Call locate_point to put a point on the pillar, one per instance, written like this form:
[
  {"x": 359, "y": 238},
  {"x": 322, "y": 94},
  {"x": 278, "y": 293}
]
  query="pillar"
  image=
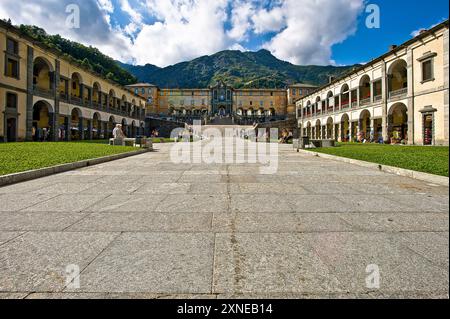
[
  {"x": 411, "y": 108},
  {"x": 384, "y": 92},
  {"x": 29, "y": 115},
  {"x": 81, "y": 128},
  {"x": 89, "y": 127},
  {"x": 67, "y": 126}
]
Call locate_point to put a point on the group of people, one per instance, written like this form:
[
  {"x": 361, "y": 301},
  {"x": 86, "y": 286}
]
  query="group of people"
[{"x": 40, "y": 134}]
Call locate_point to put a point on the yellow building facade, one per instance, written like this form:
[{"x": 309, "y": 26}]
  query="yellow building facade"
[
  {"x": 44, "y": 96},
  {"x": 221, "y": 99},
  {"x": 399, "y": 98}
]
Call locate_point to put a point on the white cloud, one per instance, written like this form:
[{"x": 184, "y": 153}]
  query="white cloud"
[
  {"x": 312, "y": 28},
  {"x": 417, "y": 32},
  {"x": 164, "y": 32}
]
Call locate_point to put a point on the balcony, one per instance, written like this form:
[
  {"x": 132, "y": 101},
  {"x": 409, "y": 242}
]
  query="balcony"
[
  {"x": 345, "y": 104},
  {"x": 398, "y": 93},
  {"x": 365, "y": 101},
  {"x": 354, "y": 104},
  {"x": 76, "y": 100},
  {"x": 47, "y": 93},
  {"x": 64, "y": 96}
]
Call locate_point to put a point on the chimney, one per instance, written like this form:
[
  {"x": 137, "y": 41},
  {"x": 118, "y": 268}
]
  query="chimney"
[
  {"x": 331, "y": 78},
  {"x": 392, "y": 47},
  {"x": 422, "y": 31}
]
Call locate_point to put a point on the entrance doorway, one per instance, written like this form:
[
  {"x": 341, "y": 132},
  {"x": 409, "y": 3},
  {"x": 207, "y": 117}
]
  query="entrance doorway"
[
  {"x": 11, "y": 129},
  {"x": 428, "y": 129}
]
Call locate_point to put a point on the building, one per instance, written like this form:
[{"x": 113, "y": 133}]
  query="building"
[
  {"x": 223, "y": 100},
  {"x": 43, "y": 95},
  {"x": 400, "y": 97}
]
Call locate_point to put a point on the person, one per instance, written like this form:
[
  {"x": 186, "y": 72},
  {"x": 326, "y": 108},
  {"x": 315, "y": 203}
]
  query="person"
[{"x": 118, "y": 133}]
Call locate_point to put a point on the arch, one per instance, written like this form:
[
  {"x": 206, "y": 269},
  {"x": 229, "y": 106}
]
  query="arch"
[
  {"x": 240, "y": 112},
  {"x": 364, "y": 89},
  {"x": 42, "y": 74},
  {"x": 75, "y": 124},
  {"x": 42, "y": 123},
  {"x": 330, "y": 94},
  {"x": 76, "y": 85},
  {"x": 96, "y": 93},
  {"x": 318, "y": 99},
  {"x": 133, "y": 129},
  {"x": 111, "y": 98},
  {"x": 318, "y": 130},
  {"x": 398, "y": 78},
  {"x": 398, "y": 124},
  {"x": 345, "y": 128},
  {"x": 329, "y": 128},
  {"x": 309, "y": 129},
  {"x": 365, "y": 129},
  {"x": 96, "y": 125},
  {"x": 345, "y": 88}
]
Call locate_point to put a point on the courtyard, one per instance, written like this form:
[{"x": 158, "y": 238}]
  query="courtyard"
[{"x": 143, "y": 227}]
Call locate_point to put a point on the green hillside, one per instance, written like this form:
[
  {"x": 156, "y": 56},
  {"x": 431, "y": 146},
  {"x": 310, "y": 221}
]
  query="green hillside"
[{"x": 239, "y": 69}]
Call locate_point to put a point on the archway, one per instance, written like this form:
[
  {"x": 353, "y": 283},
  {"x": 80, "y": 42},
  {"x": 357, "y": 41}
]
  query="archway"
[
  {"x": 42, "y": 121},
  {"x": 329, "y": 130},
  {"x": 76, "y": 129},
  {"x": 111, "y": 125},
  {"x": 112, "y": 99},
  {"x": 76, "y": 87},
  {"x": 96, "y": 95},
  {"x": 42, "y": 75},
  {"x": 364, "y": 90},
  {"x": 318, "y": 130},
  {"x": 398, "y": 124},
  {"x": 345, "y": 96},
  {"x": 398, "y": 79},
  {"x": 96, "y": 126},
  {"x": 365, "y": 129},
  {"x": 125, "y": 128},
  {"x": 11, "y": 129},
  {"x": 309, "y": 130},
  {"x": 133, "y": 129},
  {"x": 345, "y": 128}
]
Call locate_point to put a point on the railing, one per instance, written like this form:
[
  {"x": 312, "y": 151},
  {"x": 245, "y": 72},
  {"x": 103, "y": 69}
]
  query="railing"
[
  {"x": 64, "y": 96},
  {"x": 378, "y": 98},
  {"x": 43, "y": 92},
  {"x": 398, "y": 93},
  {"x": 345, "y": 104},
  {"x": 76, "y": 100},
  {"x": 365, "y": 101},
  {"x": 354, "y": 104}
]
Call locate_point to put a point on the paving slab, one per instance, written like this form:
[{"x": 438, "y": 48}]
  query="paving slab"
[
  {"x": 153, "y": 262},
  {"x": 37, "y": 261}
]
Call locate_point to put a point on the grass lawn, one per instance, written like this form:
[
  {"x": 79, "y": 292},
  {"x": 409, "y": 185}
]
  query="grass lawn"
[
  {"x": 20, "y": 157},
  {"x": 433, "y": 160}
]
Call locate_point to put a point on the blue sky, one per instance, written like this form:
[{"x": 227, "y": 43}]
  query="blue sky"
[
  {"x": 165, "y": 32},
  {"x": 399, "y": 18}
]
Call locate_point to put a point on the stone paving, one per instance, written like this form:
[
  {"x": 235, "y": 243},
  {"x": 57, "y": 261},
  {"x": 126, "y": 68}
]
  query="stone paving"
[{"x": 143, "y": 227}]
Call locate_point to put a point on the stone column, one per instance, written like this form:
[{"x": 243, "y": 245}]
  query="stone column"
[
  {"x": 56, "y": 78},
  {"x": 67, "y": 126},
  {"x": 446, "y": 86},
  {"x": 384, "y": 93},
  {"x": 82, "y": 93},
  {"x": 89, "y": 127},
  {"x": 373, "y": 128},
  {"x": 81, "y": 128},
  {"x": 411, "y": 107},
  {"x": 29, "y": 114}
]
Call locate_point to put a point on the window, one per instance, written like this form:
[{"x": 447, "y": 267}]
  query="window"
[
  {"x": 12, "y": 68},
  {"x": 251, "y": 102},
  {"x": 11, "y": 100},
  {"x": 300, "y": 92},
  {"x": 12, "y": 47},
  {"x": 149, "y": 91},
  {"x": 427, "y": 71},
  {"x": 294, "y": 92},
  {"x": 261, "y": 103},
  {"x": 136, "y": 91},
  {"x": 271, "y": 93},
  {"x": 143, "y": 91}
]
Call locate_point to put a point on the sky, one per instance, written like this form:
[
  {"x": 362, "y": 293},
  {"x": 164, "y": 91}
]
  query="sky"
[{"x": 166, "y": 32}]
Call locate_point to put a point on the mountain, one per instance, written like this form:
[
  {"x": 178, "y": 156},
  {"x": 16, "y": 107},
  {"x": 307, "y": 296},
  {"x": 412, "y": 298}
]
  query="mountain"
[
  {"x": 239, "y": 69},
  {"x": 88, "y": 57}
]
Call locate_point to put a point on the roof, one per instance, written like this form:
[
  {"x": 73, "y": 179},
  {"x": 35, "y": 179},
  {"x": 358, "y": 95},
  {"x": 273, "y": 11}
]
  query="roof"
[{"x": 303, "y": 85}]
